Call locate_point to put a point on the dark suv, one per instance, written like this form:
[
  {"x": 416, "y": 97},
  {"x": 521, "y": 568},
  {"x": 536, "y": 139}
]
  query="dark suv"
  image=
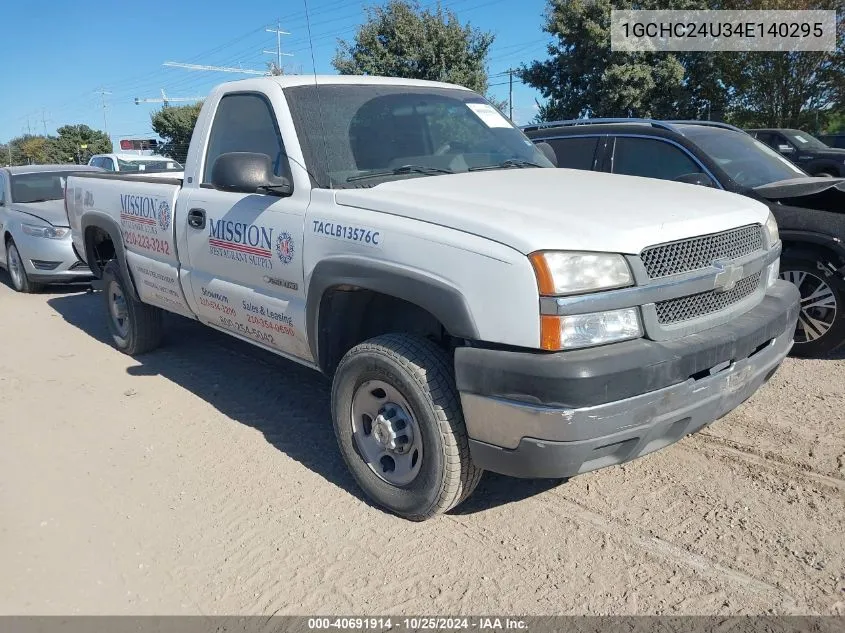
[
  {"x": 810, "y": 211},
  {"x": 804, "y": 150},
  {"x": 833, "y": 140}
]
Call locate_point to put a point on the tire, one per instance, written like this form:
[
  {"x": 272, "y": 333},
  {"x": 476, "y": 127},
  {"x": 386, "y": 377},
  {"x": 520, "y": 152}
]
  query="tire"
[
  {"x": 826, "y": 174},
  {"x": 17, "y": 272},
  {"x": 402, "y": 371},
  {"x": 821, "y": 322},
  {"x": 135, "y": 327}
]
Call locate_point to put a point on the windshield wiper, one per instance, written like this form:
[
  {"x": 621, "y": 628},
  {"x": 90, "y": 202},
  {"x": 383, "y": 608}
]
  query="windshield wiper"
[
  {"x": 507, "y": 164},
  {"x": 404, "y": 169},
  {"x": 36, "y": 200}
]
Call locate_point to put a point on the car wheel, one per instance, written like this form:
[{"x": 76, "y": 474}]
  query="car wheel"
[
  {"x": 821, "y": 321},
  {"x": 827, "y": 174},
  {"x": 135, "y": 327},
  {"x": 17, "y": 272},
  {"x": 400, "y": 428}
]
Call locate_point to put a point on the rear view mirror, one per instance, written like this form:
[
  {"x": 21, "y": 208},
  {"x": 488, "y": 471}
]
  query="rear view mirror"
[
  {"x": 548, "y": 152},
  {"x": 247, "y": 172},
  {"x": 696, "y": 179},
  {"x": 785, "y": 149}
]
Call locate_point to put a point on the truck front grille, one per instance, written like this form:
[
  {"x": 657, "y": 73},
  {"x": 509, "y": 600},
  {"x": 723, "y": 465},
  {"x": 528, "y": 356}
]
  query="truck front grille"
[
  {"x": 704, "y": 303},
  {"x": 684, "y": 256}
]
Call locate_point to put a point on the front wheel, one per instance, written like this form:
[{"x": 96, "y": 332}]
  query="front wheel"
[
  {"x": 135, "y": 326},
  {"x": 17, "y": 272},
  {"x": 821, "y": 321},
  {"x": 400, "y": 428}
]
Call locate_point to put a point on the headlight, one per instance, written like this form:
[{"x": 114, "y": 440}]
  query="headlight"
[
  {"x": 772, "y": 229},
  {"x": 562, "y": 272},
  {"x": 52, "y": 232},
  {"x": 586, "y": 330}
]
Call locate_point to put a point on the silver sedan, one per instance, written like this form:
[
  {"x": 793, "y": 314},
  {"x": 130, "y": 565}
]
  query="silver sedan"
[{"x": 36, "y": 246}]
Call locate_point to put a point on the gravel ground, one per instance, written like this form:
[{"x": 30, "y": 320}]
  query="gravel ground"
[{"x": 204, "y": 479}]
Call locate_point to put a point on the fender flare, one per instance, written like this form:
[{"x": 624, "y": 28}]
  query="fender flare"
[
  {"x": 443, "y": 300},
  {"x": 113, "y": 229}
]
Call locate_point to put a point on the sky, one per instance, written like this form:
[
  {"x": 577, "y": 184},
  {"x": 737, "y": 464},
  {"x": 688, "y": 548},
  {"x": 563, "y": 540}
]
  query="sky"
[{"x": 63, "y": 60}]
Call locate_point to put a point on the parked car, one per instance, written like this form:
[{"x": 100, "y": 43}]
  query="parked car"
[
  {"x": 134, "y": 163},
  {"x": 36, "y": 246},
  {"x": 810, "y": 211},
  {"x": 805, "y": 150},
  {"x": 475, "y": 307},
  {"x": 833, "y": 140}
]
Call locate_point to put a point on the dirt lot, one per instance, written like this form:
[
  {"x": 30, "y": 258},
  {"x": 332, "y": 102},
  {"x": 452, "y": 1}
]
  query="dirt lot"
[{"x": 204, "y": 478}]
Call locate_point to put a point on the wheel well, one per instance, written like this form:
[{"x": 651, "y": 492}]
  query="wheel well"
[
  {"x": 349, "y": 315},
  {"x": 795, "y": 249},
  {"x": 7, "y": 237},
  {"x": 99, "y": 249}
]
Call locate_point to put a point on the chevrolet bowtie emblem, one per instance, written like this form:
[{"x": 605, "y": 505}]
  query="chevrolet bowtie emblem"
[{"x": 727, "y": 277}]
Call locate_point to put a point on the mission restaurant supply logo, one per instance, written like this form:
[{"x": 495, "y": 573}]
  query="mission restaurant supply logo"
[
  {"x": 144, "y": 213},
  {"x": 242, "y": 242},
  {"x": 284, "y": 248}
]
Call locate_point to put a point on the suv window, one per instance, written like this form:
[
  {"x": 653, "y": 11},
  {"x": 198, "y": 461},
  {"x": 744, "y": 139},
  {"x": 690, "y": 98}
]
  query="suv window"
[
  {"x": 577, "y": 152},
  {"x": 245, "y": 123},
  {"x": 651, "y": 158},
  {"x": 2, "y": 189},
  {"x": 95, "y": 162},
  {"x": 108, "y": 163}
]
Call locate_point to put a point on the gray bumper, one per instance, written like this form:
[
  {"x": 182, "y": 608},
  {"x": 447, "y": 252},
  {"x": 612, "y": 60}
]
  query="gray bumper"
[
  {"x": 523, "y": 436},
  {"x": 51, "y": 261}
]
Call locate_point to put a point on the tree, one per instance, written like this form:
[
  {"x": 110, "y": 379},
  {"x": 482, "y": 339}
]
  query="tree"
[
  {"x": 68, "y": 145},
  {"x": 31, "y": 149},
  {"x": 401, "y": 39},
  {"x": 583, "y": 77},
  {"x": 175, "y": 124}
]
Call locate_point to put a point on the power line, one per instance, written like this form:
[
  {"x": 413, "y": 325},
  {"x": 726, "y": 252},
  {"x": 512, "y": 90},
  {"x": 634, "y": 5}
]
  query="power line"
[
  {"x": 166, "y": 100},
  {"x": 221, "y": 69}
]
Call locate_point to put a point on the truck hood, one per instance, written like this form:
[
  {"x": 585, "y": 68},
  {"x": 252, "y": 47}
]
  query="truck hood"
[
  {"x": 823, "y": 194},
  {"x": 533, "y": 209},
  {"x": 51, "y": 211}
]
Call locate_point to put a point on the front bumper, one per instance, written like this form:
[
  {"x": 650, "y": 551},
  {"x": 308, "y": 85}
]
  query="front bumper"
[
  {"x": 558, "y": 415},
  {"x": 51, "y": 261}
]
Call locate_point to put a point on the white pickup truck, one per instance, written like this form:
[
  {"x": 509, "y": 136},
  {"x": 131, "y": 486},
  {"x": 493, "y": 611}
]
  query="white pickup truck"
[{"x": 475, "y": 308}]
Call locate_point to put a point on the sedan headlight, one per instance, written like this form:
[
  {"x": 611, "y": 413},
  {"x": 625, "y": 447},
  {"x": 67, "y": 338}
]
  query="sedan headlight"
[
  {"x": 53, "y": 232},
  {"x": 585, "y": 330},
  {"x": 772, "y": 229},
  {"x": 566, "y": 272}
]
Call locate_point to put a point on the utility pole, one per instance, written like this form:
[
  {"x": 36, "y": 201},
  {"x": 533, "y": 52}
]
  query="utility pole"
[
  {"x": 103, "y": 92},
  {"x": 510, "y": 93},
  {"x": 44, "y": 121},
  {"x": 278, "y": 52}
]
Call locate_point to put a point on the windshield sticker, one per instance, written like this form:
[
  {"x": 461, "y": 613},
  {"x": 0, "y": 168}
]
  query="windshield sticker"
[
  {"x": 801, "y": 139},
  {"x": 489, "y": 115},
  {"x": 241, "y": 242},
  {"x": 359, "y": 235}
]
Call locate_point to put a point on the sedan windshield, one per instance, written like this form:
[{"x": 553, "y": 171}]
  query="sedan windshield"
[
  {"x": 39, "y": 186},
  {"x": 746, "y": 160},
  {"x": 354, "y": 136}
]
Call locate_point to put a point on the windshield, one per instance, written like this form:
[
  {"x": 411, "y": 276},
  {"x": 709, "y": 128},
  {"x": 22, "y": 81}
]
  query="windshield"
[
  {"x": 804, "y": 140},
  {"x": 161, "y": 164},
  {"x": 354, "y": 136},
  {"x": 746, "y": 160},
  {"x": 39, "y": 186}
]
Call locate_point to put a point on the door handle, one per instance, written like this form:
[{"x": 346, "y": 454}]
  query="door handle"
[{"x": 196, "y": 218}]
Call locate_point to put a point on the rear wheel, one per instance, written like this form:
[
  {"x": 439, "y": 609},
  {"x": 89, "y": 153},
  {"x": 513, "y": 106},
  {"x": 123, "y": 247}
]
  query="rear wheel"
[
  {"x": 17, "y": 272},
  {"x": 400, "y": 428},
  {"x": 821, "y": 322},
  {"x": 135, "y": 326}
]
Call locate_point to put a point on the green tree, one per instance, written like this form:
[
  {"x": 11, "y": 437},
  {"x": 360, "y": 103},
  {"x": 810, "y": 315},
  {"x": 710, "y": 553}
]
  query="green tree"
[
  {"x": 583, "y": 77},
  {"x": 402, "y": 39},
  {"x": 32, "y": 149},
  {"x": 175, "y": 124},
  {"x": 68, "y": 145}
]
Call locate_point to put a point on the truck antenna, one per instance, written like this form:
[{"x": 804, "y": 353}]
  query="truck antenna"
[{"x": 317, "y": 92}]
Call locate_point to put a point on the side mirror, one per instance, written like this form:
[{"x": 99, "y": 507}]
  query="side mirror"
[
  {"x": 248, "y": 172},
  {"x": 785, "y": 149},
  {"x": 548, "y": 152},
  {"x": 696, "y": 178}
]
